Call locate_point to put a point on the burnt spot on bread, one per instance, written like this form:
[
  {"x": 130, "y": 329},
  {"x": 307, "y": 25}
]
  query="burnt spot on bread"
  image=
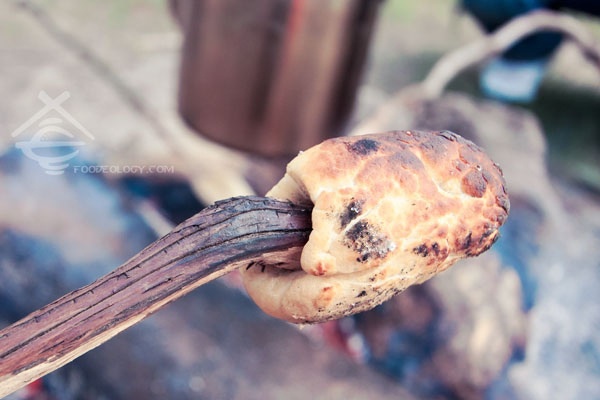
[
  {"x": 363, "y": 147},
  {"x": 465, "y": 243},
  {"x": 421, "y": 250},
  {"x": 484, "y": 243},
  {"x": 406, "y": 159},
  {"x": 433, "y": 250},
  {"x": 493, "y": 238},
  {"x": 362, "y": 294},
  {"x": 351, "y": 211},
  {"x": 366, "y": 240},
  {"x": 474, "y": 184},
  {"x": 502, "y": 201},
  {"x": 434, "y": 148},
  {"x": 474, "y": 243},
  {"x": 425, "y": 250}
]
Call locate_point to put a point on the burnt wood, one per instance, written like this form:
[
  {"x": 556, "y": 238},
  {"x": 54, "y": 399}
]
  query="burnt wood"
[{"x": 232, "y": 233}]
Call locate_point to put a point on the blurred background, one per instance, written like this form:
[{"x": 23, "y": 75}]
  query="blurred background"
[{"x": 160, "y": 108}]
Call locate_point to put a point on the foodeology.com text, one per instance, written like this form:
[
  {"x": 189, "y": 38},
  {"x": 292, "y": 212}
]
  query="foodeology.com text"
[{"x": 123, "y": 169}]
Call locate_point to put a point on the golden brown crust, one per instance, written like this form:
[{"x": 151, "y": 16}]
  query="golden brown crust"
[{"x": 390, "y": 210}]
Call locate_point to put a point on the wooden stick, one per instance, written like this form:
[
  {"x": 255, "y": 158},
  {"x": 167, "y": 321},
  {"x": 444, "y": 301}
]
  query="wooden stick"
[{"x": 232, "y": 233}]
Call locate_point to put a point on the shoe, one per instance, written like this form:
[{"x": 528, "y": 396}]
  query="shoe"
[{"x": 514, "y": 81}]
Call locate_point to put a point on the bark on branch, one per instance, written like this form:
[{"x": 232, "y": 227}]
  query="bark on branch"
[{"x": 230, "y": 234}]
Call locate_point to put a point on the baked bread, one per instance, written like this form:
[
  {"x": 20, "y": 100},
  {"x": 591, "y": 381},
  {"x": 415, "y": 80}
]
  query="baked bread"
[{"x": 390, "y": 210}]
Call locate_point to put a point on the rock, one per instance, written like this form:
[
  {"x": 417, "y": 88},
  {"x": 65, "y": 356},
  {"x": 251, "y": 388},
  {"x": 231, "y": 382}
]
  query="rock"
[{"x": 453, "y": 336}]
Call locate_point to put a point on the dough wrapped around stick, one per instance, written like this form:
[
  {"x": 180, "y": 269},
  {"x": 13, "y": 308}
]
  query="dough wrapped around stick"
[{"x": 390, "y": 210}]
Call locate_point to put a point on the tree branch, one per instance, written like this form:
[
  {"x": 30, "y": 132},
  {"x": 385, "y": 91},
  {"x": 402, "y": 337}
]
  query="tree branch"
[
  {"x": 233, "y": 233},
  {"x": 488, "y": 46}
]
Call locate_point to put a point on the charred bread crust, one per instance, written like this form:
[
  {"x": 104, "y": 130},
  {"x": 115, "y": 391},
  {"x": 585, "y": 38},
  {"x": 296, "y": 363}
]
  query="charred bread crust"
[{"x": 390, "y": 210}]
